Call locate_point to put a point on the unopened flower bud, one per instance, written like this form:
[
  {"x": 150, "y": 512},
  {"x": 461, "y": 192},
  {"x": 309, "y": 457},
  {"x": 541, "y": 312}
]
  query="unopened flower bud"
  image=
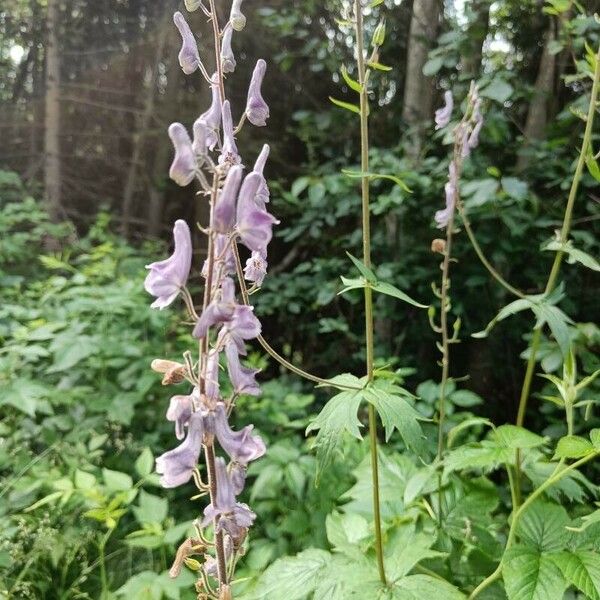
[
  {"x": 257, "y": 110},
  {"x": 189, "y": 57},
  {"x": 227, "y": 58},
  {"x": 192, "y": 564},
  {"x": 438, "y": 246},
  {"x": 185, "y": 550},
  {"x": 183, "y": 167},
  {"x": 379, "y": 34},
  {"x": 236, "y": 18},
  {"x": 192, "y": 5}
]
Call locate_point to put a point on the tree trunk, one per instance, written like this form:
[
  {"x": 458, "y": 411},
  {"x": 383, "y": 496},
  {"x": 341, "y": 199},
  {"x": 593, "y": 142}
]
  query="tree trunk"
[
  {"x": 52, "y": 171},
  {"x": 537, "y": 115},
  {"x": 142, "y": 124},
  {"x": 418, "y": 90},
  {"x": 476, "y": 35}
]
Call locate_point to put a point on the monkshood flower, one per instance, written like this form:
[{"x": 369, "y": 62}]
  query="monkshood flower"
[
  {"x": 211, "y": 119},
  {"x": 230, "y": 516},
  {"x": 176, "y": 466},
  {"x": 189, "y": 57},
  {"x": 243, "y": 326},
  {"x": 219, "y": 310},
  {"x": 242, "y": 378},
  {"x": 241, "y": 446},
  {"x": 200, "y": 140},
  {"x": 224, "y": 259},
  {"x": 184, "y": 165},
  {"x": 257, "y": 110},
  {"x": 254, "y": 224},
  {"x": 227, "y": 58},
  {"x": 236, "y": 18},
  {"x": 211, "y": 382},
  {"x": 224, "y": 211},
  {"x": 444, "y": 114},
  {"x": 256, "y": 268},
  {"x": 442, "y": 217},
  {"x": 262, "y": 195},
  {"x": 180, "y": 410},
  {"x": 229, "y": 152},
  {"x": 168, "y": 277}
]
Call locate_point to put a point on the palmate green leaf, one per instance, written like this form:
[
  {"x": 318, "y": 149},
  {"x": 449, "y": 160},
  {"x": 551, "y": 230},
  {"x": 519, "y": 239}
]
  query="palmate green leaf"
[
  {"x": 574, "y": 254},
  {"x": 573, "y": 446},
  {"x": 294, "y": 578},
  {"x": 396, "y": 413},
  {"x": 514, "y": 437},
  {"x": 582, "y": 570},
  {"x": 543, "y": 526},
  {"x": 419, "y": 587},
  {"x": 337, "y": 417},
  {"x": 530, "y": 575},
  {"x": 406, "y": 548},
  {"x": 345, "y": 381},
  {"x": 346, "y": 531},
  {"x": 351, "y": 107}
]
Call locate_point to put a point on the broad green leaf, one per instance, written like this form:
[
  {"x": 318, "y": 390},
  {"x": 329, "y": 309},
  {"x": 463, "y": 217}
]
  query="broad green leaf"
[
  {"x": 390, "y": 290},
  {"x": 465, "y": 398},
  {"x": 543, "y": 526},
  {"x": 346, "y": 530},
  {"x": 151, "y": 509},
  {"x": 420, "y": 587},
  {"x": 510, "y": 309},
  {"x": 396, "y": 413},
  {"x": 72, "y": 353},
  {"x": 592, "y": 165},
  {"x": 117, "y": 481},
  {"x": 406, "y": 548},
  {"x": 529, "y": 575},
  {"x": 433, "y": 65},
  {"x": 595, "y": 438},
  {"x": 498, "y": 90},
  {"x": 573, "y": 446},
  {"x": 84, "y": 480},
  {"x": 514, "y": 437},
  {"x": 24, "y": 395},
  {"x": 466, "y": 424},
  {"x": 351, "y": 107},
  {"x": 515, "y": 188},
  {"x": 144, "y": 463},
  {"x": 581, "y": 569},
  {"x": 486, "y": 455},
  {"x": 337, "y": 417},
  {"x": 344, "y": 381},
  {"x": 292, "y": 578}
]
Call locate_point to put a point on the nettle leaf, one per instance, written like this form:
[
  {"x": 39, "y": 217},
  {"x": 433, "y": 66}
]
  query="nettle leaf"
[
  {"x": 573, "y": 446},
  {"x": 574, "y": 254},
  {"x": 406, "y": 548},
  {"x": 514, "y": 437},
  {"x": 396, "y": 413},
  {"x": 581, "y": 569},
  {"x": 338, "y": 416},
  {"x": 346, "y": 531},
  {"x": 543, "y": 526},
  {"x": 293, "y": 578},
  {"x": 351, "y": 107},
  {"x": 116, "y": 481},
  {"x": 151, "y": 509},
  {"x": 530, "y": 575}
]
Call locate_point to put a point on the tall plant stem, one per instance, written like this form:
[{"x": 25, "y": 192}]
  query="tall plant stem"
[
  {"x": 554, "y": 478},
  {"x": 366, "y": 227},
  {"x": 558, "y": 258},
  {"x": 217, "y": 45}
]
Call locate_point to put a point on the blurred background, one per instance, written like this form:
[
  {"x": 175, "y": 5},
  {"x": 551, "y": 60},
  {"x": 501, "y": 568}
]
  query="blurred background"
[{"x": 87, "y": 91}]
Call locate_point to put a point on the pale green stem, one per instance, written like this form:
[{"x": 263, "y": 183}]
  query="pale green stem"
[
  {"x": 558, "y": 258},
  {"x": 368, "y": 292},
  {"x": 519, "y": 513}
]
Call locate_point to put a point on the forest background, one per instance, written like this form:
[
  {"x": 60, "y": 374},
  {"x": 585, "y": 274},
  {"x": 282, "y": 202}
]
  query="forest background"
[{"x": 87, "y": 91}]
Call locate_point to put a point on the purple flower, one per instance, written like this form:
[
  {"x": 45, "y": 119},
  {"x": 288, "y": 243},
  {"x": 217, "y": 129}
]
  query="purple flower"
[
  {"x": 189, "y": 58},
  {"x": 243, "y": 326},
  {"x": 167, "y": 277},
  {"x": 224, "y": 260},
  {"x": 241, "y": 446},
  {"x": 177, "y": 465},
  {"x": 180, "y": 411},
  {"x": 211, "y": 382},
  {"x": 211, "y": 119},
  {"x": 262, "y": 195},
  {"x": 444, "y": 114},
  {"x": 219, "y": 310},
  {"x": 442, "y": 217},
  {"x": 224, "y": 211},
  {"x": 227, "y": 57},
  {"x": 236, "y": 18},
  {"x": 242, "y": 378},
  {"x": 229, "y": 152},
  {"x": 477, "y": 117},
  {"x": 184, "y": 165},
  {"x": 257, "y": 110},
  {"x": 228, "y": 515},
  {"x": 256, "y": 268},
  {"x": 254, "y": 224},
  {"x": 200, "y": 142}
]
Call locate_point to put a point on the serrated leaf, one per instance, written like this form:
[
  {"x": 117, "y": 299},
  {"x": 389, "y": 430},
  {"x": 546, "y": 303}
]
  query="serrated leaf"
[
  {"x": 151, "y": 509},
  {"x": 543, "y": 526},
  {"x": 573, "y": 446},
  {"x": 117, "y": 481},
  {"x": 514, "y": 437},
  {"x": 418, "y": 587},
  {"x": 581, "y": 569},
  {"x": 574, "y": 254},
  {"x": 351, "y": 107},
  {"x": 529, "y": 575}
]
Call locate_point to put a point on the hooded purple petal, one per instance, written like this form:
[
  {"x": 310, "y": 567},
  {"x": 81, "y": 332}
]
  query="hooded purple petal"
[
  {"x": 257, "y": 110},
  {"x": 224, "y": 261},
  {"x": 219, "y": 310},
  {"x": 224, "y": 212},
  {"x": 256, "y": 268},
  {"x": 166, "y": 278},
  {"x": 227, "y": 58},
  {"x": 211, "y": 119},
  {"x": 242, "y": 378},
  {"x": 177, "y": 465},
  {"x": 229, "y": 152},
  {"x": 212, "y": 375},
  {"x": 243, "y": 326},
  {"x": 236, "y": 18},
  {"x": 183, "y": 167},
  {"x": 444, "y": 114},
  {"x": 442, "y": 217},
  {"x": 189, "y": 58},
  {"x": 180, "y": 411},
  {"x": 262, "y": 195},
  {"x": 241, "y": 446}
]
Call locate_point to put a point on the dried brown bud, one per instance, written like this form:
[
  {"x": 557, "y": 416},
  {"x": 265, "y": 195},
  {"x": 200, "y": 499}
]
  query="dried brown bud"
[
  {"x": 225, "y": 592},
  {"x": 174, "y": 372},
  {"x": 438, "y": 245},
  {"x": 188, "y": 548}
]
